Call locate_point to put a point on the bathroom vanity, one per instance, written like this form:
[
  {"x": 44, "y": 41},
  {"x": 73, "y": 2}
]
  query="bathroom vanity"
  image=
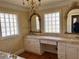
[{"x": 66, "y": 48}]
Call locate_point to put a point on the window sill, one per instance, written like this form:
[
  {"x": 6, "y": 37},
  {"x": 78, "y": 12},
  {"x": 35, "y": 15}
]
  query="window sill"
[{"x": 9, "y": 37}]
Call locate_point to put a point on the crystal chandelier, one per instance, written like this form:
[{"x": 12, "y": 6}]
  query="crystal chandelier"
[{"x": 32, "y": 4}]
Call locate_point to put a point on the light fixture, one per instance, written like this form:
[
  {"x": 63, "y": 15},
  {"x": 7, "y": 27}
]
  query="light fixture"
[{"x": 32, "y": 4}]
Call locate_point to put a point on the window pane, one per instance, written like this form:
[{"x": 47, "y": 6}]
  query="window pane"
[
  {"x": 57, "y": 14},
  {"x": 11, "y": 20},
  {"x": 52, "y": 22},
  {"x": 57, "y": 22},
  {"x": 53, "y": 18},
  {"x": 7, "y": 20},
  {"x": 53, "y": 14},
  {"x": 2, "y": 25},
  {"x": 14, "y": 16},
  {"x": 6, "y": 15},
  {"x": 2, "y": 20},
  {"x": 15, "y": 20},
  {"x": 3, "y": 34},
  {"x": 8, "y": 24},
  {"x": 16, "y": 31},
  {"x": 11, "y": 16},
  {"x": 8, "y": 29},
  {"x": 2, "y": 15},
  {"x": 12, "y": 29},
  {"x": 3, "y": 30},
  {"x": 53, "y": 30},
  {"x": 15, "y": 24},
  {"x": 57, "y": 18},
  {"x": 11, "y": 24},
  {"x": 8, "y": 33},
  {"x": 12, "y": 33}
]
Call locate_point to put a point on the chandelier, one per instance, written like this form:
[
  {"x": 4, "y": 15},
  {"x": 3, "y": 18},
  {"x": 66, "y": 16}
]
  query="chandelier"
[{"x": 32, "y": 4}]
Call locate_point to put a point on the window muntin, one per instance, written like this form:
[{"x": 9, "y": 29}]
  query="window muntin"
[
  {"x": 52, "y": 22},
  {"x": 9, "y": 24}
]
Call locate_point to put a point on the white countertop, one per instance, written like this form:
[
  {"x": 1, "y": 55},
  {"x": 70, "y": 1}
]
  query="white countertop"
[{"x": 62, "y": 39}]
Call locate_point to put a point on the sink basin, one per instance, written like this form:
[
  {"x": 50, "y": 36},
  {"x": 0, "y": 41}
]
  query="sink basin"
[{"x": 4, "y": 55}]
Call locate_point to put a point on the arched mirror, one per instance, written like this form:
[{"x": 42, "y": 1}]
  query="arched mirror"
[
  {"x": 73, "y": 21},
  {"x": 73, "y": 18},
  {"x": 35, "y": 23}
]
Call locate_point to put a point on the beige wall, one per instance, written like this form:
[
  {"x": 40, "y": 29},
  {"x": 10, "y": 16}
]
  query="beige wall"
[{"x": 14, "y": 44}]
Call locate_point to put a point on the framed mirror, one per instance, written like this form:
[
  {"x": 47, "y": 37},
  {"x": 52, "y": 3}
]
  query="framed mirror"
[
  {"x": 73, "y": 21},
  {"x": 35, "y": 23}
]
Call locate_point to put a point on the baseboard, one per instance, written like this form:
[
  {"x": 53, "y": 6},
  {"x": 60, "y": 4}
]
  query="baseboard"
[{"x": 19, "y": 52}]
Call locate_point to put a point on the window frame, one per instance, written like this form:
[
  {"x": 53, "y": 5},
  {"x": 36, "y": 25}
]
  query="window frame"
[
  {"x": 14, "y": 35},
  {"x": 59, "y": 23}
]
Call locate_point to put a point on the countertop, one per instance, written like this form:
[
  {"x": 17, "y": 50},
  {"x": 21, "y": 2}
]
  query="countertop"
[{"x": 58, "y": 39}]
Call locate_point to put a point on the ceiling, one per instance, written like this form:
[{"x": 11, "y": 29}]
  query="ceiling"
[
  {"x": 44, "y": 3},
  {"x": 19, "y": 2}
]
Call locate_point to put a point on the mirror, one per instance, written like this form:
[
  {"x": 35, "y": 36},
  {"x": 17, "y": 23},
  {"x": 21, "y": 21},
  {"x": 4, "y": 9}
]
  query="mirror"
[
  {"x": 35, "y": 23},
  {"x": 73, "y": 21}
]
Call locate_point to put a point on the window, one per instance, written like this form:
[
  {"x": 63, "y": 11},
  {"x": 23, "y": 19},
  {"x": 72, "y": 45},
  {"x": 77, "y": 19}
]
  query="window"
[
  {"x": 9, "y": 24},
  {"x": 52, "y": 22}
]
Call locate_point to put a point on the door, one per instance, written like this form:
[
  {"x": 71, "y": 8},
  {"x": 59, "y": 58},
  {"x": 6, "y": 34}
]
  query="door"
[{"x": 32, "y": 45}]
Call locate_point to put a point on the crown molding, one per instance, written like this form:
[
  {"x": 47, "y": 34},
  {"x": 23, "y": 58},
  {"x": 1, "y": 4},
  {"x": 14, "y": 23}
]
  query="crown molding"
[{"x": 12, "y": 6}]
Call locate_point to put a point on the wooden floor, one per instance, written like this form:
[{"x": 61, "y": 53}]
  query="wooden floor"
[{"x": 46, "y": 55}]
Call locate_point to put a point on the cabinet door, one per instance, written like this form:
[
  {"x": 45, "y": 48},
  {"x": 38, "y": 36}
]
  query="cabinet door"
[
  {"x": 32, "y": 45},
  {"x": 37, "y": 48},
  {"x": 29, "y": 45},
  {"x": 78, "y": 52},
  {"x": 71, "y": 51},
  {"x": 61, "y": 50},
  {"x": 68, "y": 51}
]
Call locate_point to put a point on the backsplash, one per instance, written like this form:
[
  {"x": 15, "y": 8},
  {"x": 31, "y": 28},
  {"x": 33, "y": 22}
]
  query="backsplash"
[{"x": 71, "y": 36}]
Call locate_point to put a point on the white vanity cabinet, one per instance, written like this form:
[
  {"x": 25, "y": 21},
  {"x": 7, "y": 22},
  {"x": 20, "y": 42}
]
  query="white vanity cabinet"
[
  {"x": 61, "y": 50},
  {"x": 72, "y": 51},
  {"x": 68, "y": 51},
  {"x": 32, "y": 45}
]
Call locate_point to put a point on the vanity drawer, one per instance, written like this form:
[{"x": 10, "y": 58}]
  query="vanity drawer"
[
  {"x": 51, "y": 42},
  {"x": 43, "y": 41}
]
